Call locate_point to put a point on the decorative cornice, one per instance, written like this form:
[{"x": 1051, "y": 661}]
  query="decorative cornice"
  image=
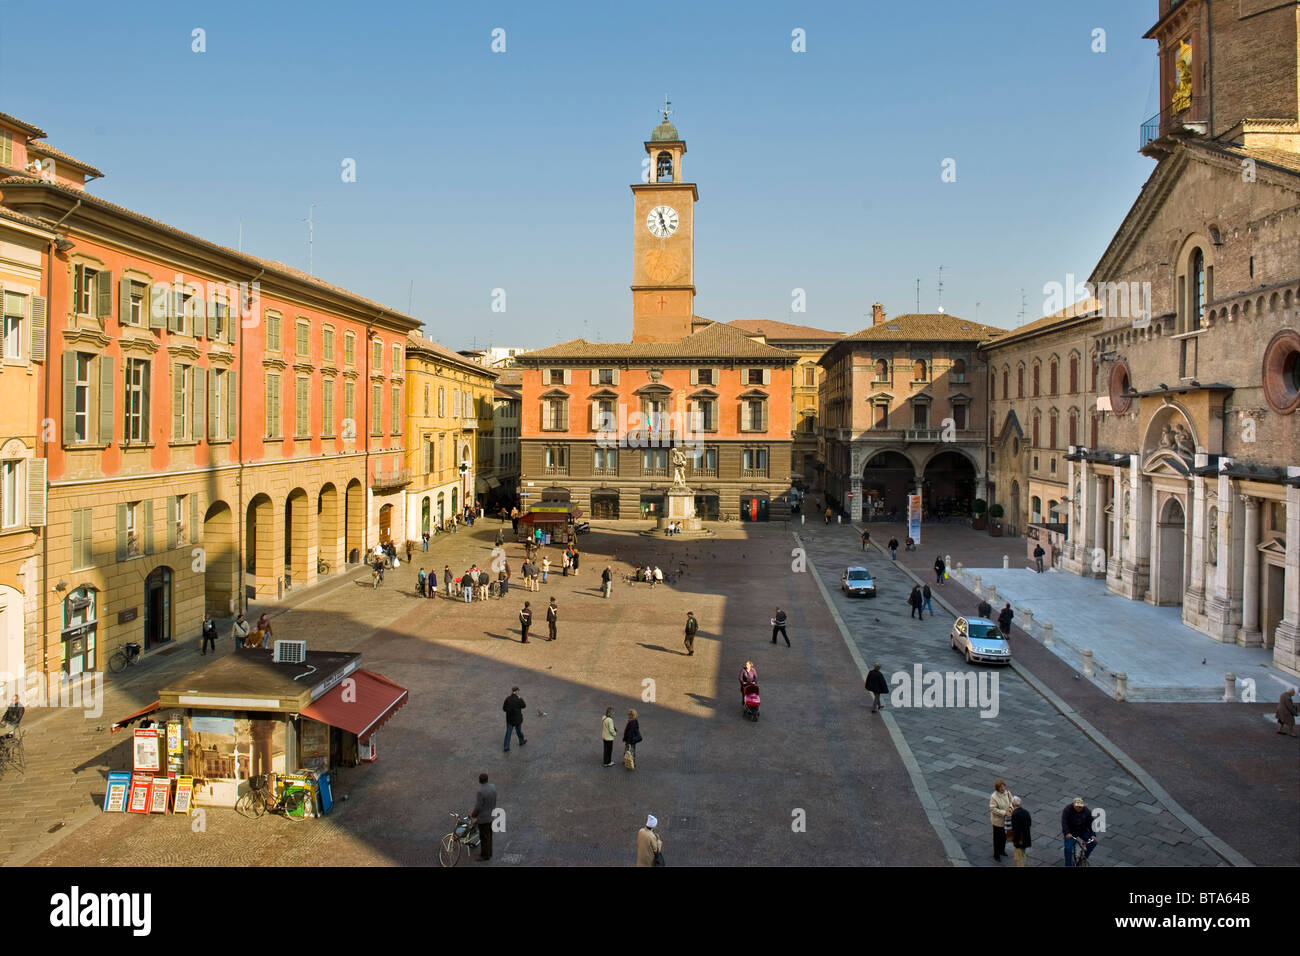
[
  {"x": 275, "y": 363},
  {"x": 80, "y": 336}
]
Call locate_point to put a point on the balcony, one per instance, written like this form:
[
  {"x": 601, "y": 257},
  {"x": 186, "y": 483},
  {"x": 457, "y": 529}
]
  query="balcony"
[
  {"x": 1167, "y": 122},
  {"x": 385, "y": 481},
  {"x": 469, "y": 424}
]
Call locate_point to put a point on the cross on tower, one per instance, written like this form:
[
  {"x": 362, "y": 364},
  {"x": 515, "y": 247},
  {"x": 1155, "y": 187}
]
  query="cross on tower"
[
  {"x": 662, "y": 303},
  {"x": 667, "y": 107}
]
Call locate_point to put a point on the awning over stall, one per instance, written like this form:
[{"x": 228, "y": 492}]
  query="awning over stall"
[
  {"x": 360, "y": 704},
  {"x": 132, "y": 718}
]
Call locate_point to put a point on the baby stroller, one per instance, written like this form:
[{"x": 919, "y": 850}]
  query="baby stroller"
[{"x": 749, "y": 691}]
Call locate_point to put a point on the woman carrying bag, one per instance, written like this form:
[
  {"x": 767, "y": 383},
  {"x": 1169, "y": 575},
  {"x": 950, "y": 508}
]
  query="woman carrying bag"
[
  {"x": 607, "y": 734},
  {"x": 631, "y": 737}
]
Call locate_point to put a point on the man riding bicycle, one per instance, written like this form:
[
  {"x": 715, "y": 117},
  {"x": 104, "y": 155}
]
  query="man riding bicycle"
[{"x": 1076, "y": 824}]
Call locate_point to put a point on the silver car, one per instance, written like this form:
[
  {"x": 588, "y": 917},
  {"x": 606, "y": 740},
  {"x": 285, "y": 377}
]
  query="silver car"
[
  {"x": 980, "y": 640},
  {"x": 857, "y": 581}
]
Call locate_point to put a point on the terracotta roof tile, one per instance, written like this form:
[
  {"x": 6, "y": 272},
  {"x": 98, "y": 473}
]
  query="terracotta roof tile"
[
  {"x": 45, "y": 149},
  {"x": 1081, "y": 308},
  {"x": 925, "y": 327},
  {"x": 416, "y": 340},
  {"x": 776, "y": 331},
  {"x": 25, "y": 220},
  {"x": 1284, "y": 159},
  {"x": 33, "y": 131},
  {"x": 712, "y": 341}
]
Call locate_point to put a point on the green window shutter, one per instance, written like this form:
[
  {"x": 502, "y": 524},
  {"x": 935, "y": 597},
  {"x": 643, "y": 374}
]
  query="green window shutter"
[
  {"x": 212, "y": 319},
  {"x": 146, "y": 508},
  {"x": 36, "y": 492},
  {"x": 69, "y": 398},
  {"x": 121, "y": 531},
  {"x": 103, "y": 295},
  {"x": 198, "y": 403},
  {"x": 194, "y": 518},
  {"x": 199, "y": 311},
  {"x": 214, "y": 422},
  {"x": 36, "y": 344},
  {"x": 765, "y": 416},
  {"x": 232, "y": 405},
  {"x": 173, "y": 512},
  {"x": 178, "y": 392},
  {"x": 160, "y": 299},
  {"x": 270, "y": 412},
  {"x": 767, "y": 376},
  {"x": 79, "y": 539},
  {"x": 124, "y": 301},
  {"x": 695, "y": 376},
  {"x": 595, "y": 377},
  {"x": 615, "y": 376},
  {"x": 106, "y": 381}
]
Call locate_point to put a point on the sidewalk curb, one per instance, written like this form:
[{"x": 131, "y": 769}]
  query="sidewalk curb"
[
  {"x": 956, "y": 856},
  {"x": 1131, "y": 767}
]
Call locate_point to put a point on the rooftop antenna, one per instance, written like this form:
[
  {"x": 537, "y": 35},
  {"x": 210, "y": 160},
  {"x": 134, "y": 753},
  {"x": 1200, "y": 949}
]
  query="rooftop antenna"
[
  {"x": 918, "y": 295},
  {"x": 310, "y": 236},
  {"x": 977, "y": 312},
  {"x": 667, "y": 108},
  {"x": 941, "y": 288}
]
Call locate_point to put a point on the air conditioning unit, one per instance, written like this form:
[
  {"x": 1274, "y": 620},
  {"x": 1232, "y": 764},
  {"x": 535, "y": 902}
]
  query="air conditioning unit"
[{"x": 289, "y": 652}]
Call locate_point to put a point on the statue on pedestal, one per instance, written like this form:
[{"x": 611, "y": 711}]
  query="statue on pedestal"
[{"x": 679, "y": 467}]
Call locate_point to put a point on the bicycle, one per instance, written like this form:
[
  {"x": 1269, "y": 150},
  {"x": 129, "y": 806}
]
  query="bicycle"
[
  {"x": 322, "y": 566},
  {"x": 459, "y": 842},
  {"x": 1081, "y": 849},
  {"x": 293, "y": 802},
  {"x": 727, "y": 516},
  {"x": 12, "y": 753},
  {"x": 124, "y": 656}
]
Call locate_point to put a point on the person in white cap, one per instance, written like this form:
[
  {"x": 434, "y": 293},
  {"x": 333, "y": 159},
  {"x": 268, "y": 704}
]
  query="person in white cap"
[{"x": 648, "y": 843}]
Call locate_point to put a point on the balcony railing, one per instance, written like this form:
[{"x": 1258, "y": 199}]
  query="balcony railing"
[
  {"x": 1167, "y": 121},
  {"x": 390, "y": 480},
  {"x": 469, "y": 424}
]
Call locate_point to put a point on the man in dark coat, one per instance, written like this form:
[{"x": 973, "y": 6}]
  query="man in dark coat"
[
  {"x": 525, "y": 621},
  {"x": 893, "y": 549},
  {"x": 485, "y": 805},
  {"x": 939, "y": 569},
  {"x": 915, "y": 600},
  {"x": 1020, "y": 821},
  {"x": 514, "y": 707},
  {"x": 552, "y": 618},
  {"x": 877, "y": 685},
  {"x": 985, "y": 610},
  {"x": 1004, "y": 620},
  {"x": 1038, "y": 557},
  {"x": 692, "y": 626},
  {"x": 778, "y": 626},
  {"x": 866, "y": 539},
  {"x": 606, "y": 580}
]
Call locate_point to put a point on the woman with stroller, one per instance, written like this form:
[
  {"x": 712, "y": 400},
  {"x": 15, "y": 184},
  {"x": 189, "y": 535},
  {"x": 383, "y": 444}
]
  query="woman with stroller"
[{"x": 747, "y": 676}]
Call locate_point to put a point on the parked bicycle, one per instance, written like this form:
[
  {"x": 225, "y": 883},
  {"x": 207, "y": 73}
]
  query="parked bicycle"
[
  {"x": 293, "y": 802},
  {"x": 322, "y": 566},
  {"x": 459, "y": 842},
  {"x": 124, "y": 656},
  {"x": 727, "y": 516},
  {"x": 12, "y": 755}
]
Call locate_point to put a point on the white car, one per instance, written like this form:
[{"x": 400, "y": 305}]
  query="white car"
[
  {"x": 980, "y": 640},
  {"x": 857, "y": 581}
]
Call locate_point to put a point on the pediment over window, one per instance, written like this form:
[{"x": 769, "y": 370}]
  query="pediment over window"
[
  {"x": 653, "y": 389},
  {"x": 703, "y": 394},
  {"x": 754, "y": 393},
  {"x": 555, "y": 393},
  {"x": 604, "y": 393},
  {"x": 1167, "y": 463}
]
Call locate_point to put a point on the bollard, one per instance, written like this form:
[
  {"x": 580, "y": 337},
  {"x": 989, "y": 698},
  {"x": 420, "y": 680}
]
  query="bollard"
[
  {"x": 1027, "y": 621},
  {"x": 979, "y": 586},
  {"x": 1121, "y": 686},
  {"x": 1087, "y": 664},
  {"x": 839, "y": 519},
  {"x": 959, "y": 570},
  {"x": 947, "y": 560},
  {"x": 1229, "y": 687},
  {"x": 992, "y": 596},
  {"x": 1049, "y": 634},
  {"x": 801, "y": 517},
  {"x": 1006, "y": 562}
]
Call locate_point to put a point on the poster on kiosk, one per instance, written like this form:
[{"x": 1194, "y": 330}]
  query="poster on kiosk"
[{"x": 914, "y": 518}]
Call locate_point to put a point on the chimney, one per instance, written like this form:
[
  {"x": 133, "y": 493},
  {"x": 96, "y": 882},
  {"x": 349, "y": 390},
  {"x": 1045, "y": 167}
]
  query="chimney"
[{"x": 877, "y": 313}]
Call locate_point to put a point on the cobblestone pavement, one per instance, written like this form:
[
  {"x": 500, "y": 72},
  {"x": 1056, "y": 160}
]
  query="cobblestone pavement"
[
  {"x": 1044, "y": 758},
  {"x": 815, "y": 781}
]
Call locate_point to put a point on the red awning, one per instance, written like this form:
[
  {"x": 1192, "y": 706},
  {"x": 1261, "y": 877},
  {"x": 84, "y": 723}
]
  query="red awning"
[
  {"x": 129, "y": 720},
  {"x": 361, "y": 704}
]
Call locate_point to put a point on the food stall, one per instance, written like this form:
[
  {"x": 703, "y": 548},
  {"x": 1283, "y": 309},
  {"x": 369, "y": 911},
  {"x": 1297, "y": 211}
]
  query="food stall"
[{"x": 246, "y": 715}]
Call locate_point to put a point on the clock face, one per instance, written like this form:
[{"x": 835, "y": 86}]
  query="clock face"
[{"x": 662, "y": 221}]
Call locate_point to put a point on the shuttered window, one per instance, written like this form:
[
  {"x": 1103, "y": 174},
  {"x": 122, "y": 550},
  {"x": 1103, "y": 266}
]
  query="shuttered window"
[
  {"x": 327, "y": 407},
  {"x": 82, "y": 529},
  {"x": 135, "y": 401},
  {"x": 272, "y": 332},
  {"x": 349, "y": 411},
  {"x": 396, "y": 426},
  {"x": 327, "y": 345},
  {"x": 302, "y": 407},
  {"x": 302, "y": 340},
  {"x": 273, "y": 405},
  {"x": 349, "y": 349},
  {"x": 376, "y": 409}
]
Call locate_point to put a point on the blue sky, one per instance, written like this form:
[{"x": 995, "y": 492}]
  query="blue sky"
[{"x": 478, "y": 171}]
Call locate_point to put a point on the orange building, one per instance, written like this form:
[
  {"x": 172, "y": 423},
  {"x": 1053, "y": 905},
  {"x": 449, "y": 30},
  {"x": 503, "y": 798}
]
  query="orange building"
[
  {"x": 221, "y": 428},
  {"x": 600, "y": 421}
]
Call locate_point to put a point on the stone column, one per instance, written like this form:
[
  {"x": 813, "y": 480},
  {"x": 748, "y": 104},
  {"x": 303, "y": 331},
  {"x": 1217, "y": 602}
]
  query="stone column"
[
  {"x": 1249, "y": 634},
  {"x": 1139, "y": 537},
  {"x": 1083, "y": 551},
  {"x": 1115, "y": 566},
  {"x": 1194, "y": 596},
  {"x": 855, "y": 505},
  {"x": 1071, "y": 509},
  {"x": 1098, "y": 528},
  {"x": 1286, "y": 636}
]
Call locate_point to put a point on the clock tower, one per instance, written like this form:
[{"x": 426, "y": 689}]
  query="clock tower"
[{"x": 663, "y": 243}]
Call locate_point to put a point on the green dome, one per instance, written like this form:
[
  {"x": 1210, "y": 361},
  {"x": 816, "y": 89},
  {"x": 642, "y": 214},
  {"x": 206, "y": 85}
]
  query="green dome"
[{"x": 665, "y": 132}]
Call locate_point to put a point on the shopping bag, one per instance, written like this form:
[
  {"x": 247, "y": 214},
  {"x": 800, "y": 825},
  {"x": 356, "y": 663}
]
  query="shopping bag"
[{"x": 629, "y": 761}]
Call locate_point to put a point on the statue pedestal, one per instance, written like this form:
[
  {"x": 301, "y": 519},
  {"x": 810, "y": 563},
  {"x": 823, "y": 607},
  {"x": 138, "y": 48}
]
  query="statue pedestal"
[{"x": 680, "y": 509}]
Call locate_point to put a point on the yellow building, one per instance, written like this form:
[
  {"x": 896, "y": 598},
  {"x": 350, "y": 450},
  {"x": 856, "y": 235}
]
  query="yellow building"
[
  {"x": 449, "y": 413},
  {"x": 23, "y": 242}
]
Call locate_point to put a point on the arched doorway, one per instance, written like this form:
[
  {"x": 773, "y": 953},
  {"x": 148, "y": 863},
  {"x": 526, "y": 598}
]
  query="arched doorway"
[
  {"x": 385, "y": 523},
  {"x": 328, "y": 525},
  {"x": 11, "y": 642},
  {"x": 442, "y": 510},
  {"x": 424, "y": 515},
  {"x": 455, "y": 509},
  {"x": 604, "y": 504},
  {"x": 295, "y": 537},
  {"x": 354, "y": 520},
  {"x": 80, "y": 631},
  {"x": 258, "y": 535},
  {"x": 948, "y": 486},
  {"x": 887, "y": 480},
  {"x": 158, "y": 607},
  {"x": 1170, "y": 537},
  {"x": 219, "y": 562}
]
